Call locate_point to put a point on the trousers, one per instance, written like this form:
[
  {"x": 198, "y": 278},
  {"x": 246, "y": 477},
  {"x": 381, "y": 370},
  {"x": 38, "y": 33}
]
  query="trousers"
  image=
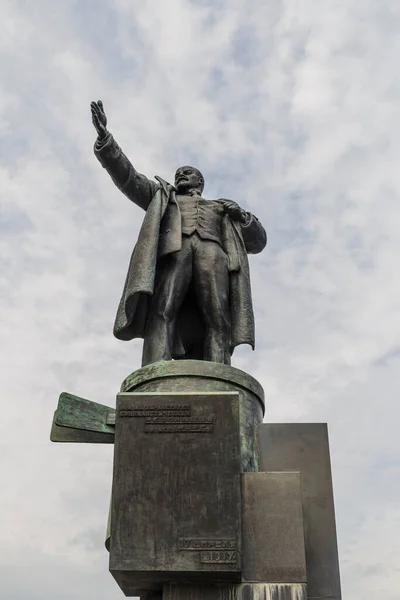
[{"x": 202, "y": 265}]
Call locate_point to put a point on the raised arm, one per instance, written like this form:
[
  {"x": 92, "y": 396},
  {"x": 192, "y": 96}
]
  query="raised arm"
[{"x": 134, "y": 185}]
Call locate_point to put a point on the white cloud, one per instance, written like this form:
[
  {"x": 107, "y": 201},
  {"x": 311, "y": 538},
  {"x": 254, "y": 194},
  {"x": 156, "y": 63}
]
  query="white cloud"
[{"x": 290, "y": 108}]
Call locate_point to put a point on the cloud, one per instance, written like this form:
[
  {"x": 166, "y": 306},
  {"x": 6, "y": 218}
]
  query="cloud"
[{"x": 292, "y": 110}]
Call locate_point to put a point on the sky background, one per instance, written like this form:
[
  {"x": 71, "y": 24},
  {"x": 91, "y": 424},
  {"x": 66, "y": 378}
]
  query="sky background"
[{"x": 290, "y": 108}]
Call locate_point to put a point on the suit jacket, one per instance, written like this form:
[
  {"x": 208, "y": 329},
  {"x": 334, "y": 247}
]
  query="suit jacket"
[{"x": 159, "y": 202}]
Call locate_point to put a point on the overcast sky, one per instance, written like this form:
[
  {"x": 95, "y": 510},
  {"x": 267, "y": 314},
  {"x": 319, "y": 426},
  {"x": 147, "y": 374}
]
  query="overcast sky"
[{"x": 291, "y": 108}]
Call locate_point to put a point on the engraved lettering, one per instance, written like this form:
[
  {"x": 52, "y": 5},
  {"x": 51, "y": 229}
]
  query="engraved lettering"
[
  {"x": 179, "y": 419},
  {"x": 178, "y": 428},
  {"x": 159, "y": 410},
  {"x": 218, "y": 557},
  {"x": 207, "y": 544}
]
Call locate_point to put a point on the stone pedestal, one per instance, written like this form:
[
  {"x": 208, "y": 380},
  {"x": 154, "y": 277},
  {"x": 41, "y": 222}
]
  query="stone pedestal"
[
  {"x": 184, "y": 432},
  {"x": 192, "y": 517},
  {"x": 244, "y": 591},
  {"x": 191, "y": 514},
  {"x": 304, "y": 447}
]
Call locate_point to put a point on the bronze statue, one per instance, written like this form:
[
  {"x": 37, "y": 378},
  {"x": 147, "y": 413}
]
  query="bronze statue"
[{"x": 187, "y": 291}]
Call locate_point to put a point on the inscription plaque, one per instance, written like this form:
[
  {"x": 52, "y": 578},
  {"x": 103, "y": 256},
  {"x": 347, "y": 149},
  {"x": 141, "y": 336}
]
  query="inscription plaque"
[
  {"x": 176, "y": 504},
  {"x": 169, "y": 419}
]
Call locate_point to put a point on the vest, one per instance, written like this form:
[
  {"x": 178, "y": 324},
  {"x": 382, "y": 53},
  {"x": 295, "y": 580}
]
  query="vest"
[{"x": 202, "y": 216}]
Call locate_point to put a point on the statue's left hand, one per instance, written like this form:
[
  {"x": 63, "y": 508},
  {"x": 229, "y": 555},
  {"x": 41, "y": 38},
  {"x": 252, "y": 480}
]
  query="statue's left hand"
[{"x": 233, "y": 210}]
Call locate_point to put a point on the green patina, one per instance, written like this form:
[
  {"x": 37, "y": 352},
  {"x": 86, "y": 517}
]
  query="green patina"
[
  {"x": 194, "y": 368},
  {"x": 79, "y": 420}
]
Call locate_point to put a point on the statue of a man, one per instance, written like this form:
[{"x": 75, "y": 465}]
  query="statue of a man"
[{"x": 187, "y": 291}]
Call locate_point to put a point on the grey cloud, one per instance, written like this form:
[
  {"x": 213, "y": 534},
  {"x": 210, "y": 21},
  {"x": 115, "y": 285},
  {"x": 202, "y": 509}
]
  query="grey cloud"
[{"x": 293, "y": 112}]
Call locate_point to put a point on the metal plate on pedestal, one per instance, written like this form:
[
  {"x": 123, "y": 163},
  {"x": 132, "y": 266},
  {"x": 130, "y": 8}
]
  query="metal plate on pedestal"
[
  {"x": 176, "y": 512},
  {"x": 273, "y": 535}
]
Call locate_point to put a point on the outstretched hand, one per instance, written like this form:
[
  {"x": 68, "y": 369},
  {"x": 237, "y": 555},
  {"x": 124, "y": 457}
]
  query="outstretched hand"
[
  {"x": 233, "y": 210},
  {"x": 99, "y": 118}
]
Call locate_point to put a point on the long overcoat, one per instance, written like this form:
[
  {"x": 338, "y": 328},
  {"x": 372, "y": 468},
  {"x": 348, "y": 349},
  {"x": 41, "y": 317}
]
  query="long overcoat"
[{"x": 161, "y": 235}]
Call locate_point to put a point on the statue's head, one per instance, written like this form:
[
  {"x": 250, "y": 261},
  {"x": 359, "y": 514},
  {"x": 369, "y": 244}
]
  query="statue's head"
[{"x": 188, "y": 178}]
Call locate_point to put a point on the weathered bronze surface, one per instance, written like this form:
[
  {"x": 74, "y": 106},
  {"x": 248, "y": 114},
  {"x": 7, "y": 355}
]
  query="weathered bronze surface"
[
  {"x": 176, "y": 507},
  {"x": 304, "y": 447},
  {"x": 244, "y": 591},
  {"x": 79, "y": 420},
  {"x": 201, "y": 376},
  {"x": 187, "y": 291},
  {"x": 273, "y": 532},
  {"x": 193, "y": 369}
]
